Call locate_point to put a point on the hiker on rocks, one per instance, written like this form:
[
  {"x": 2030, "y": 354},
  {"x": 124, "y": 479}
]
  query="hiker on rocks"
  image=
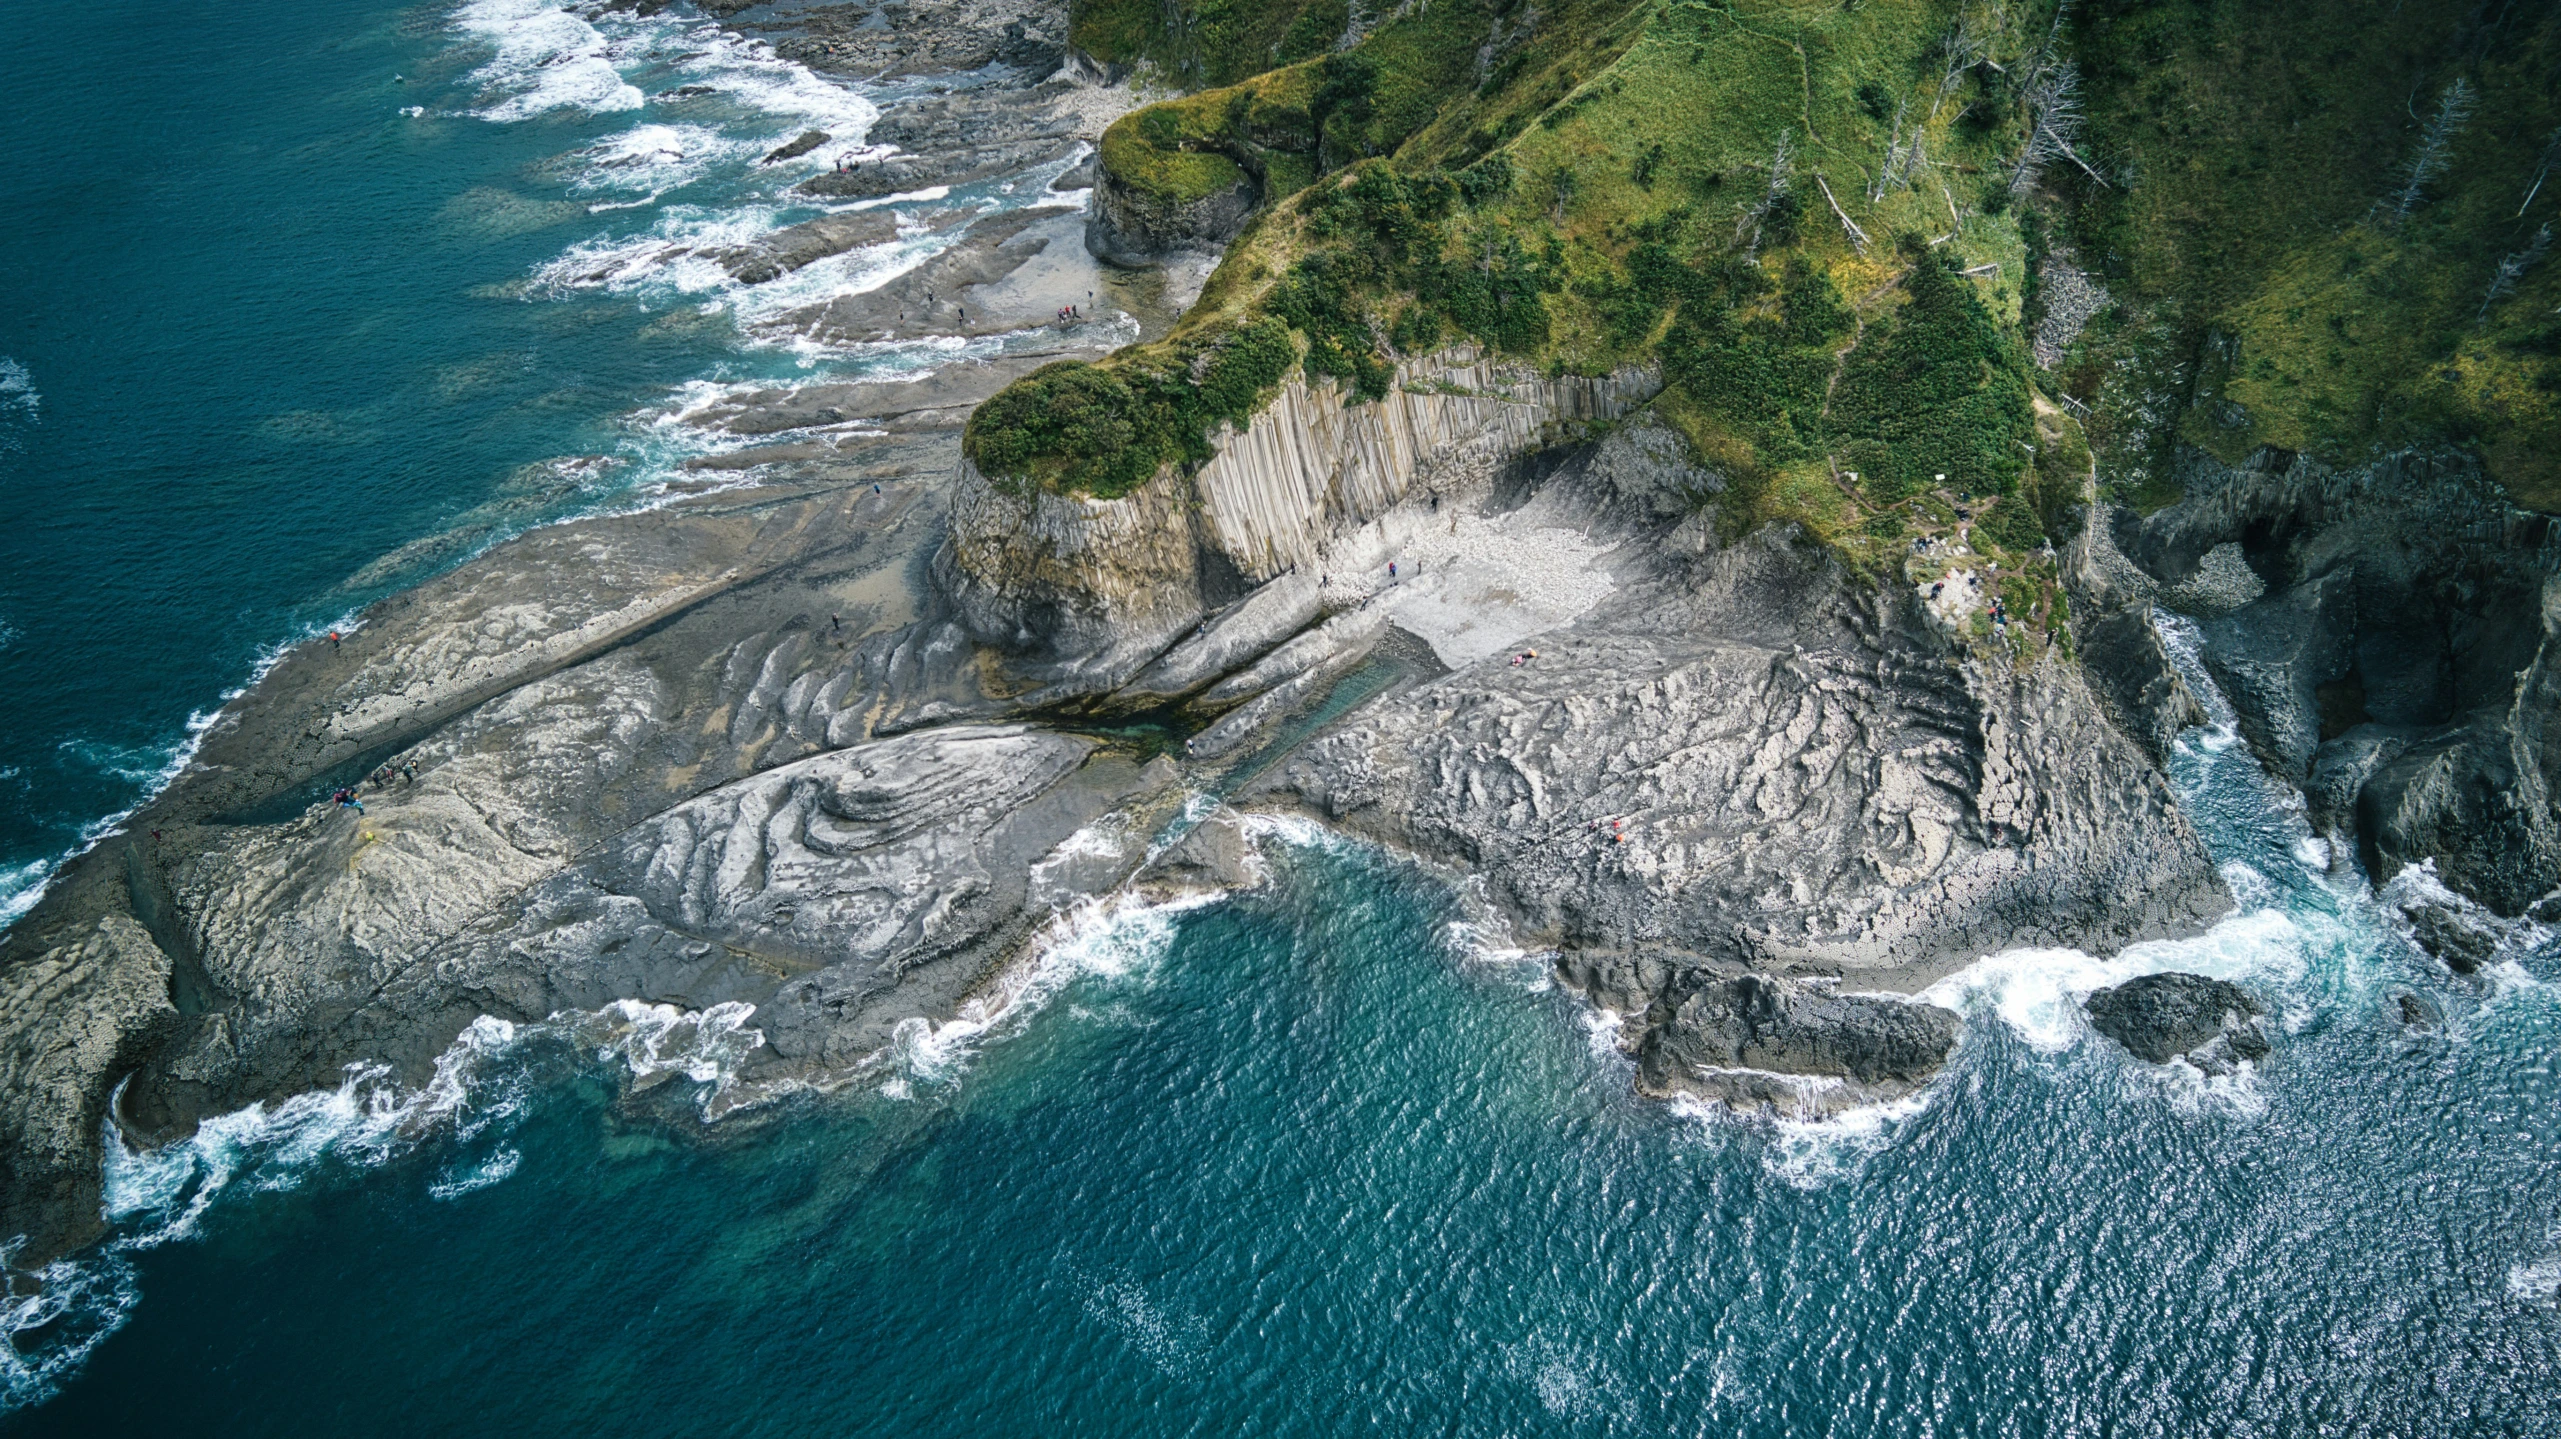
[
  {"x": 346, "y": 799},
  {"x": 409, "y": 771},
  {"x": 333, "y": 639}
]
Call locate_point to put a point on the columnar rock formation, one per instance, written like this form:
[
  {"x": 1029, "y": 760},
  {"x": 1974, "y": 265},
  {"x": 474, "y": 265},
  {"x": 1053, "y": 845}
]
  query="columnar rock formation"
[{"x": 1090, "y": 590}]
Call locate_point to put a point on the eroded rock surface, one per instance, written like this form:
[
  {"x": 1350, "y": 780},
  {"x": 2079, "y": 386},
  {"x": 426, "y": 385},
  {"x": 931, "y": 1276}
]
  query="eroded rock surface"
[
  {"x": 790, "y": 746},
  {"x": 1743, "y": 755}
]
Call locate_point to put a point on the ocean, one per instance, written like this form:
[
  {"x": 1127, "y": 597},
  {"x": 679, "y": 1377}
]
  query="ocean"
[
  {"x": 1329, "y": 1155},
  {"x": 304, "y": 302}
]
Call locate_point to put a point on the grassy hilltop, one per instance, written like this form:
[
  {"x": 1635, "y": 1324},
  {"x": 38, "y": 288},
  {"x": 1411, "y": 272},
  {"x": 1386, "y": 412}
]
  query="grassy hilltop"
[{"x": 2309, "y": 225}]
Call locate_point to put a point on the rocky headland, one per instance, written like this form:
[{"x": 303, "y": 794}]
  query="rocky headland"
[{"x": 839, "y": 735}]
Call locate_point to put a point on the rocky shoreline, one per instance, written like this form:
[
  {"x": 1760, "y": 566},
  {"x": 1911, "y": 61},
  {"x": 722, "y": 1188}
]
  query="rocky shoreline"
[{"x": 836, "y": 743}]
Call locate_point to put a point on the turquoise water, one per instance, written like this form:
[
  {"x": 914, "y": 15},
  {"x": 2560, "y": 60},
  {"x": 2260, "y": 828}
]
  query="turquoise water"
[
  {"x": 296, "y": 307},
  {"x": 1321, "y": 1158},
  {"x": 1325, "y": 1158}
]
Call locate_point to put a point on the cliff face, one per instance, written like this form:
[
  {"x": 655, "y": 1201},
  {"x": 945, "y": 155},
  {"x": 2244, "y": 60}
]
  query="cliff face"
[
  {"x": 1089, "y": 591},
  {"x": 2385, "y": 635},
  {"x": 1127, "y": 225},
  {"x": 1312, "y": 466}
]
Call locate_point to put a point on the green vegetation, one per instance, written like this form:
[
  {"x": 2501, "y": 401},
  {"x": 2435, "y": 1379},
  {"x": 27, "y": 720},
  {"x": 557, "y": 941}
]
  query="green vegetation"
[
  {"x": 1824, "y": 224},
  {"x": 1822, "y": 221},
  {"x": 1943, "y": 394},
  {"x": 1206, "y": 43},
  {"x": 1610, "y": 183},
  {"x": 2286, "y": 282},
  {"x": 1185, "y": 150},
  {"x": 1107, "y": 429}
]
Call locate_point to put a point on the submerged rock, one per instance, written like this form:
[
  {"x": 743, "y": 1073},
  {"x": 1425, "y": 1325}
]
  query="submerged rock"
[
  {"x": 2461, "y": 941},
  {"x": 2160, "y": 1017}
]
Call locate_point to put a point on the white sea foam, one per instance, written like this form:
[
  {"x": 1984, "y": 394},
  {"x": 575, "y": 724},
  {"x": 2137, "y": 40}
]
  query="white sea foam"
[
  {"x": 678, "y": 260},
  {"x": 481, "y": 1083},
  {"x": 20, "y": 406},
  {"x": 550, "y": 59},
  {"x": 18, "y": 398},
  {"x": 1571, "y": 1381},
  {"x": 647, "y": 161},
  {"x": 2038, "y": 992},
  {"x": 656, "y": 1042},
  {"x": 464, "y": 1179},
  {"x": 1119, "y": 938},
  {"x": 1602, "y": 1031},
  {"x": 1177, "y": 1343},
  {"x": 21, "y": 885},
  {"x": 150, "y": 769},
  {"x": 1809, "y": 1153},
  {"x": 73, "y": 1304},
  {"x": 547, "y": 59},
  {"x": 2537, "y": 1280},
  {"x": 1300, "y": 832}
]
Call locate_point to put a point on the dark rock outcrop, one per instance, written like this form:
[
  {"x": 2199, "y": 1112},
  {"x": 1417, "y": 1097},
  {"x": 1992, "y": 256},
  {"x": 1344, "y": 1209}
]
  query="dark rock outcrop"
[
  {"x": 1132, "y": 225},
  {"x": 1757, "y": 1041},
  {"x": 2404, "y": 665},
  {"x": 793, "y": 149},
  {"x": 2129, "y": 670},
  {"x": 952, "y": 140},
  {"x": 2210, "y": 1023},
  {"x": 2464, "y": 943},
  {"x": 773, "y": 256}
]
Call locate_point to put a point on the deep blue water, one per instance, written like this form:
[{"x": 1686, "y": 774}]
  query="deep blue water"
[
  {"x": 1322, "y": 1158},
  {"x": 293, "y": 312}
]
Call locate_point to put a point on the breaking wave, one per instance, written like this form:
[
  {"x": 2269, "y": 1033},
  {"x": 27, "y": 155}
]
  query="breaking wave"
[{"x": 481, "y": 1087}]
